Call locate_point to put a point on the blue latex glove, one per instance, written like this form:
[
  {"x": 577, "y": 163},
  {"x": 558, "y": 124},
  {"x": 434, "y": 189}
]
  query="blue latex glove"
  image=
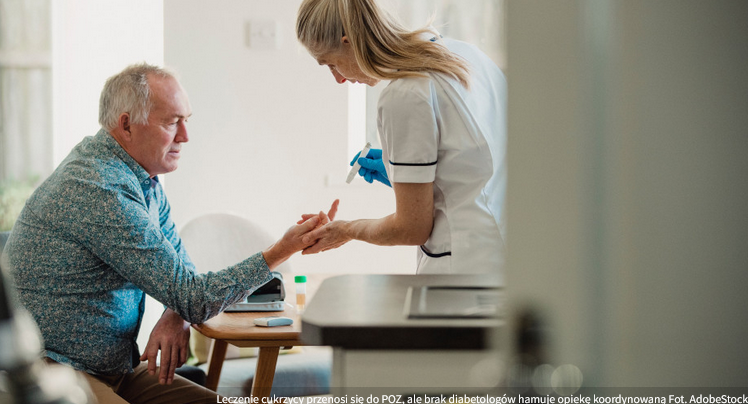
[{"x": 372, "y": 167}]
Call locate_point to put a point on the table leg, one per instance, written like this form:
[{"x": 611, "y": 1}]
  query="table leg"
[
  {"x": 265, "y": 372},
  {"x": 217, "y": 356}
]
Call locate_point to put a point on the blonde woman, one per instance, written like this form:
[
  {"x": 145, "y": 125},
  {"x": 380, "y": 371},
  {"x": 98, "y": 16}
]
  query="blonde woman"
[{"x": 443, "y": 132}]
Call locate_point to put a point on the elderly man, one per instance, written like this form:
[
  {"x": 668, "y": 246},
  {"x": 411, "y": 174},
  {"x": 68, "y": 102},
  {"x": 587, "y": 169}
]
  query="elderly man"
[{"x": 97, "y": 236}]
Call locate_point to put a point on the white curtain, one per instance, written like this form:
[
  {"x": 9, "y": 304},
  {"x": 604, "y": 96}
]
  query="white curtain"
[{"x": 25, "y": 89}]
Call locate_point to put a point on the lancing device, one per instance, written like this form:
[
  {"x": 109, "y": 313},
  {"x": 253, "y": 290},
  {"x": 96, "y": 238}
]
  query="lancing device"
[{"x": 356, "y": 166}]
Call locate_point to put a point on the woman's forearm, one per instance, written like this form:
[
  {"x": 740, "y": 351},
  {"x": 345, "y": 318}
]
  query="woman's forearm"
[
  {"x": 388, "y": 231},
  {"x": 410, "y": 224}
]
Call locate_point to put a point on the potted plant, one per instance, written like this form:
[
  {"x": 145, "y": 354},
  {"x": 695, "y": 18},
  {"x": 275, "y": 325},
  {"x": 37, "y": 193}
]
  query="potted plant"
[{"x": 13, "y": 195}]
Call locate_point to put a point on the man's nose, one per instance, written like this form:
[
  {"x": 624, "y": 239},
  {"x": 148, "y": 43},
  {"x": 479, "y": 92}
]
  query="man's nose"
[
  {"x": 338, "y": 77},
  {"x": 182, "y": 135}
]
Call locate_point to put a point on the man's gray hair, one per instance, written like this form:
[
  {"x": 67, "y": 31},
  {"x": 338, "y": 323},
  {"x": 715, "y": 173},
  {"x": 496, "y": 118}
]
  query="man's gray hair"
[{"x": 128, "y": 92}]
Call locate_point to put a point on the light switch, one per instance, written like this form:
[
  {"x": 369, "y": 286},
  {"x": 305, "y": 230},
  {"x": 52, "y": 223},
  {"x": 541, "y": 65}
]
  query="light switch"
[{"x": 262, "y": 34}]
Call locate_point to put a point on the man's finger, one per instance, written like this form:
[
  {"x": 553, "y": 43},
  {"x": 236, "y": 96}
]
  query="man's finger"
[
  {"x": 182, "y": 357},
  {"x": 309, "y": 224},
  {"x": 172, "y": 366},
  {"x": 305, "y": 217},
  {"x": 333, "y": 209},
  {"x": 165, "y": 361},
  {"x": 323, "y": 219},
  {"x": 151, "y": 355}
]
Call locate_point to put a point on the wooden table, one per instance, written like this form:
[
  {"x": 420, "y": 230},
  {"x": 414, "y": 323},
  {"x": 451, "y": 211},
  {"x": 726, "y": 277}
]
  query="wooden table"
[{"x": 238, "y": 329}]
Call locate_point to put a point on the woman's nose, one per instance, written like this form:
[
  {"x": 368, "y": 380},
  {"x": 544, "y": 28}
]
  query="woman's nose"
[{"x": 338, "y": 77}]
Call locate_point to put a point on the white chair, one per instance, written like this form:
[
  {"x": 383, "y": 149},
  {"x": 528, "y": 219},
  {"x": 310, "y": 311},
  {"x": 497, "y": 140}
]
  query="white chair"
[{"x": 216, "y": 241}]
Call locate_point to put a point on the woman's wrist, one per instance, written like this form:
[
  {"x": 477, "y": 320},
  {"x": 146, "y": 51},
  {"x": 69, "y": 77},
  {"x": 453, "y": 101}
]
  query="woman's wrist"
[{"x": 352, "y": 229}]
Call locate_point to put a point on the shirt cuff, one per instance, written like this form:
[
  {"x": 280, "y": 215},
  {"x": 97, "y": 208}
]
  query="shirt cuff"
[
  {"x": 258, "y": 261},
  {"x": 413, "y": 174}
]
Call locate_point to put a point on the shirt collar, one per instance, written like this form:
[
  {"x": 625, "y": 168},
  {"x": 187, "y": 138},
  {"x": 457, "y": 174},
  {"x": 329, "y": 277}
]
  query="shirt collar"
[{"x": 110, "y": 143}]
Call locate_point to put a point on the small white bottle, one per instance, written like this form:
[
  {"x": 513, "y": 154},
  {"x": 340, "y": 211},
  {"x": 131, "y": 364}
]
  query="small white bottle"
[{"x": 300, "y": 282}]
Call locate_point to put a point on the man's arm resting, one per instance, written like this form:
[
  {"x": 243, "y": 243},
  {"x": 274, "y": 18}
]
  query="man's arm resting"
[
  {"x": 290, "y": 243},
  {"x": 171, "y": 336}
]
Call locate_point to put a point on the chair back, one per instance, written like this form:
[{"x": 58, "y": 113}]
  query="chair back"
[{"x": 215, "y": 241}]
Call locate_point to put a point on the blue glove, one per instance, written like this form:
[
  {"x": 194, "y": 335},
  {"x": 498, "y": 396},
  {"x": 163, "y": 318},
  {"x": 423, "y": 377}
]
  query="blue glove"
[{"x": 372, "y": 167}]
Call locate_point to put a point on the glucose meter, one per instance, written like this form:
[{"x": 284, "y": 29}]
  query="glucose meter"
[{"x": 273, "y": 321}]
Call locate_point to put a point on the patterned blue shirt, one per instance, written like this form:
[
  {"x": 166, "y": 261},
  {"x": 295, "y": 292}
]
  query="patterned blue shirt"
[{"x": 92, "y": 240}]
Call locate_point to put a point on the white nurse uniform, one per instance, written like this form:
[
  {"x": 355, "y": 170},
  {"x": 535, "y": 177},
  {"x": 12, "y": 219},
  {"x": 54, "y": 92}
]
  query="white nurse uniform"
[{"x": 435, "y": 130}]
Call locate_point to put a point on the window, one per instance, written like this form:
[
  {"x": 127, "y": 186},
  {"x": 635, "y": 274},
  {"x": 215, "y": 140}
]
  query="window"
[{"x": 25, "y": 89}]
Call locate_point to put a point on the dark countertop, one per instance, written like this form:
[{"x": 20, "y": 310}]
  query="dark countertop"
[{"x": 368, "y": 312}]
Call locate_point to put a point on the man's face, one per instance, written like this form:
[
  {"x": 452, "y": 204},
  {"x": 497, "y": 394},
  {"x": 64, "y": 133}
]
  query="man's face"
[{"x": 157, "y": 145}]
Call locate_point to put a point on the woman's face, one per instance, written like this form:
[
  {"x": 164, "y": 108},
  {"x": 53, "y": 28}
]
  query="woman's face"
[{"x": 343, "y": 66}]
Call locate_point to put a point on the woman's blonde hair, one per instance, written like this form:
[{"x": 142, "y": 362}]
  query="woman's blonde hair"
[{"x": 383, "y": 48}]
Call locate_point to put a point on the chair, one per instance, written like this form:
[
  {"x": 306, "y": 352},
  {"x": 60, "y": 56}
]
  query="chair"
[{"x": 216, "y": 241}]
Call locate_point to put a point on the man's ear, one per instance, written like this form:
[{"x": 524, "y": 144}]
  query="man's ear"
[
  {"x": 123, "y": 124},
  {"x": 345, "y": 39}
]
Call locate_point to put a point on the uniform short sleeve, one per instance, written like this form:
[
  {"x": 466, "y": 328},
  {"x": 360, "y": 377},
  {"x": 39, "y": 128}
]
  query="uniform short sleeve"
[{"x": 408, "y": 128}]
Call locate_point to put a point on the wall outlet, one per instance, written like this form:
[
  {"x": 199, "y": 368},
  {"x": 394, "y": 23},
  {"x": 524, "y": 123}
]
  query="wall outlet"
[{"x": 262, "y": 34}]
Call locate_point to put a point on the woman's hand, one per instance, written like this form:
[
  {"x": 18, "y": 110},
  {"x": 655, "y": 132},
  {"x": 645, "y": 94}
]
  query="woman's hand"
[
  {"x": 411, "y": 223},
  {"x": 324, "y": 219},
  {"x": 326, "y": 237},
  {"x": 372, "y": 167},
  {"x": 294, "y": 239}
]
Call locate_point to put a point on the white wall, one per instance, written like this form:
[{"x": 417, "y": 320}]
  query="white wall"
[
  {"x": 627, "y": 196},
  {"x": 92, "y": 40},
  {"x": 269, "y": 127}
]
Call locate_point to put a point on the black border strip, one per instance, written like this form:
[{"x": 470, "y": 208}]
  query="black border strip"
[
  {"x": 412, "y": 164},
  {"x": 444, "y": 254}
]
